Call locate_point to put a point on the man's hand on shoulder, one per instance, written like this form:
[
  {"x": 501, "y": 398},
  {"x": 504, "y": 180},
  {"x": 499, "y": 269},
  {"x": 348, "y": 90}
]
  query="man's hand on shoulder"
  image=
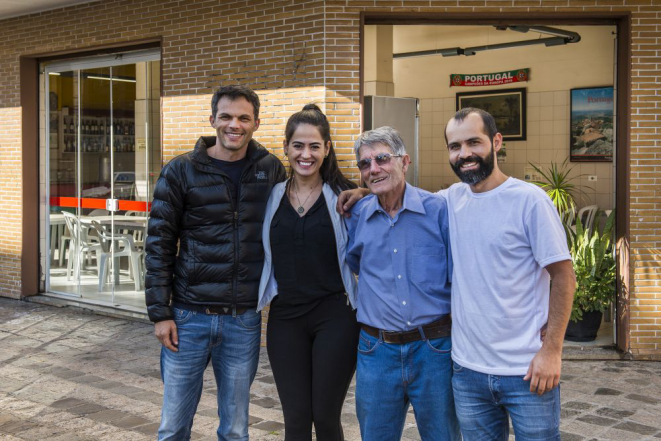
[
  {"x": 544, "y": 370},
  {"x": 166, "y": 332},
  {"x": 348, "y": 199}
]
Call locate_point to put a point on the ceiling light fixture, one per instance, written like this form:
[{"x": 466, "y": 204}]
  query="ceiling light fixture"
[{"x": 560, "y": 37}]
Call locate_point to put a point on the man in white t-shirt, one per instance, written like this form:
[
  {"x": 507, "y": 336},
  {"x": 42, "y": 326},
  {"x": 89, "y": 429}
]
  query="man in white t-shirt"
[{"x": 507, "y": 245}]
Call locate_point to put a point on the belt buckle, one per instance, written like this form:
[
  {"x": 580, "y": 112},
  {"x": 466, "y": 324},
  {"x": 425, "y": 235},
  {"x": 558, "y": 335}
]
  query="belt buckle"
[{"x": 210, "y": 312}]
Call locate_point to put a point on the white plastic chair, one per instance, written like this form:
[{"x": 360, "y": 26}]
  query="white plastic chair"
[
  {"x": 587, "y": 215},
  {"x": 81, "y": 244},
  {"x": 126, "y": 247},
  {"x": 567, "y": 217}
]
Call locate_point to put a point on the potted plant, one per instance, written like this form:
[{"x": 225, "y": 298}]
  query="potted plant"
[
  {"x": 594, "y": 264},
  {"x": 557, "y": 183}
]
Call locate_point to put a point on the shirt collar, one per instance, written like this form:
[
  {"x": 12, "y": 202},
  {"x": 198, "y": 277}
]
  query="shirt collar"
[{"x": 412, "y": 202}]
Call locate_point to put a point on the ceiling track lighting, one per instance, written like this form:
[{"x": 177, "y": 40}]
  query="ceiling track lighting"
[{"x": 560, "y": 37}]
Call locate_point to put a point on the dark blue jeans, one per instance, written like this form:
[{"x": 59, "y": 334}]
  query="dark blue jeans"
[
  {"x": 389, "y": 377},
  {"x": 484, "y": 402},
  {"x": 232, "y": 346}
]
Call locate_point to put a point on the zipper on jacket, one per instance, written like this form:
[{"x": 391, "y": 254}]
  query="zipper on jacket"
[{"x": 235, "y": 272}]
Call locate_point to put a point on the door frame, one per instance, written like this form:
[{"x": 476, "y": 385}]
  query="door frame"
[
  {"x": 78, "y": 65},
  {"x": 30, "y": 261},
  {"x": 622, "y": 20}
]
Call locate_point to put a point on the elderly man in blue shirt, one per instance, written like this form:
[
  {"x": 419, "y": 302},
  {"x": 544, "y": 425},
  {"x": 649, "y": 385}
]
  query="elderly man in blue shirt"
[{"x": 399, "y": 246}]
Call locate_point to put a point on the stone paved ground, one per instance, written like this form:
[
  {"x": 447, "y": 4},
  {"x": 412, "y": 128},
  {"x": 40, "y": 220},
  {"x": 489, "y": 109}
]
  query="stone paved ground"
[{"x": 66, "y": 374}]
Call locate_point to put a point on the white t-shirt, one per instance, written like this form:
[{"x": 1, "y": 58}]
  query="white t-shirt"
[{"x": 501, "y": 241}]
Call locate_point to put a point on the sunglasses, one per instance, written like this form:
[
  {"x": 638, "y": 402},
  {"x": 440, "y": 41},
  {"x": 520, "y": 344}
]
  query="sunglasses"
[{"x": 381, "y": 159}]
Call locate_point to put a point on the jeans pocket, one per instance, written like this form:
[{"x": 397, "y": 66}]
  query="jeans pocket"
[
  {"x": 367, "y": 344},
  {"x": 181, "y": 316},
  {"x": 456, "y": 368},
  {"x": 250, "y": 320},
  {"x": 441, "y": 345}
]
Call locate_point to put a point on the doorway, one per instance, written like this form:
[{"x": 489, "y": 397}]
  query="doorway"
[
  {"x": 459, "y": 32},
  {"x": 102, "y": 151}
]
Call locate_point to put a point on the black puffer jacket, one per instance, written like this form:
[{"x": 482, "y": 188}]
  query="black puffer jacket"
[{"x": 220, "y": 245}]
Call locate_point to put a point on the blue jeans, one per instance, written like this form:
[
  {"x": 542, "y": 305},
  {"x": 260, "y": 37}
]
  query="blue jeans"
[
  {"x": 232, "y": 345},
  {"x": 484, "y": 402},
  {"x": 389, "y": 377}
]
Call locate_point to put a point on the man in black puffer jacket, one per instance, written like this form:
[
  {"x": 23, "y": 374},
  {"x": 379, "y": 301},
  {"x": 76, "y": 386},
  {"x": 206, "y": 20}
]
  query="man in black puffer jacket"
[{"x": 202, "y": 294}]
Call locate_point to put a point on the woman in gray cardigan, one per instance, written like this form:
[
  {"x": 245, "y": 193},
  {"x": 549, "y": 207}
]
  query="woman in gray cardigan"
[{"x": 312, "y": 333}]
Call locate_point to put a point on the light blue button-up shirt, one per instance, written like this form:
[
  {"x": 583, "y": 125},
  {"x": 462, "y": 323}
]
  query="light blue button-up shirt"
[{"x": 404, "y": 263}]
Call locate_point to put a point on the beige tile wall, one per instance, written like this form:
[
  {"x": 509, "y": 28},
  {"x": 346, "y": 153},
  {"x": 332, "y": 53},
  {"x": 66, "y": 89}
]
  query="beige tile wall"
[{"x": 547, "y": 141}]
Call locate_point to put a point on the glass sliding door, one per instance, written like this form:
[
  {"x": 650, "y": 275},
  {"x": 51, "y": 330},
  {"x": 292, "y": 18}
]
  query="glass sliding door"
[{"x": 102, "y": 169}]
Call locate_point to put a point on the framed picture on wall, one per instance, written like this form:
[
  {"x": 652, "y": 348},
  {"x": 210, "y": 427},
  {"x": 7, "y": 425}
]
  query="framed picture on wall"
[
  {"x": 591, "y": 124},
  {"x": 507, "y": 106}
]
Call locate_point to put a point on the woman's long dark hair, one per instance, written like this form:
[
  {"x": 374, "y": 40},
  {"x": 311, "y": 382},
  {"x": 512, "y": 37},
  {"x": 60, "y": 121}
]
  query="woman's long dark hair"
[{"x": 330, "y": 171}]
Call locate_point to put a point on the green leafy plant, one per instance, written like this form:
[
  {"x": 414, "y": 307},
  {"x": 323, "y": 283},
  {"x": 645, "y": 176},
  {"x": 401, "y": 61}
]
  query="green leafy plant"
[
  {"x": 594, "y": 265},
  {"x": 559, "y": 186}
]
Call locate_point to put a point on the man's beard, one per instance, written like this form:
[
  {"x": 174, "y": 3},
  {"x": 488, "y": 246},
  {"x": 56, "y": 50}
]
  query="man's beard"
[{"x": 473, "y": 177}]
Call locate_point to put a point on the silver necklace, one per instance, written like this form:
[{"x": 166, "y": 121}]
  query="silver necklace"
[{"x": 300, "y": 208}]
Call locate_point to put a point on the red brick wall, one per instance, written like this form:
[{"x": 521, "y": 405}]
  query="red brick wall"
[{"x": 295, "y": 51}]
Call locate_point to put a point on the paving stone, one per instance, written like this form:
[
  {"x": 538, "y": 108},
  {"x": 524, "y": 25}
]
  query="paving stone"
[
  {"x": 107, "y": 415},
  {"x": 129, "y": 422},
  {"x": 643, "y": 398},
  {"x": 252, "y": 420},
  {"x": 568, "y": 413},
  {"x": 578, "y": 405},
  {"x": 267, "y": 379},
  {"x": 106, "y": 384},
  {"x": 266, "y": 402},
  {"x": 597, "y": 420},
  {"x": 87, "y": 379},
  {"x": 67, "y": 403},
  {"x": 66, "y": 374},
  {"x": 208, "y": 412},
  {"x": 148, "y": 429},
  {"x": 86, "y": 409},
  {"x": 149, "y": 397},
  {"x": 607, "y": 391},
  {"x": 564, "y": 436},
  {"x": 17, "y": 426},
  {"x": 614, "y": 413},
  {"x": 608, "y": 369},
  {"x": 412, "y": 433},
  {"x": 269, "y": 426},
  {"x": 6, "y": 418},
  {"x": 637, "y": 428},
  {"x": 125, "y": 390},
  {"x": 637, "y": 381}
]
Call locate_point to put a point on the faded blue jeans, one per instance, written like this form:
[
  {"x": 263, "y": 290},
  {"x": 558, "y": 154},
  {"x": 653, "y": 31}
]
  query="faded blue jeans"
[
  {"x": 232, "y": 346},
  {"x": 389, "y": 377},
  {"x": 484, "y": 402}
]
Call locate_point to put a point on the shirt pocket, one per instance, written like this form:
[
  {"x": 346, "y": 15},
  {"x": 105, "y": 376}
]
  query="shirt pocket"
[{"x": 427, "y": 265}]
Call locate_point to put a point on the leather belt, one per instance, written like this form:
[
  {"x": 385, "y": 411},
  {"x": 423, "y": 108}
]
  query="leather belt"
[
  {"x": 212, "y": 310},
  {"x": 437, "y": 329}
]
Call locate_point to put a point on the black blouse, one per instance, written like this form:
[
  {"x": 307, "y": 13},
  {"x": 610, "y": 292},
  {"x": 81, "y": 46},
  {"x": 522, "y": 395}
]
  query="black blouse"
[{"x": 304, "y": 259}]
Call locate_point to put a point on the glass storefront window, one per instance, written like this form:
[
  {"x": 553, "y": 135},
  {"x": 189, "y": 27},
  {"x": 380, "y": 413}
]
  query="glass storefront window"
[{"x": 103, "y": 151}]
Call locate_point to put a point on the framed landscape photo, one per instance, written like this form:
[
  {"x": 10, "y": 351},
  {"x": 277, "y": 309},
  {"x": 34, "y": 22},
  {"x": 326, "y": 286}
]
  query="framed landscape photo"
[
  {"x": 591, "y": 124},
  {"x": 507, "y": 106}
]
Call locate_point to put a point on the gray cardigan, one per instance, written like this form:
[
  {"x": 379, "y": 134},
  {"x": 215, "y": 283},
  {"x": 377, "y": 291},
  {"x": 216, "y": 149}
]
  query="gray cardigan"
[{"x": 268, "y": 287}]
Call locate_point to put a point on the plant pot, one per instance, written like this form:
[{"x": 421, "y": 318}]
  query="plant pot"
[{"x": 585, "y": 329}]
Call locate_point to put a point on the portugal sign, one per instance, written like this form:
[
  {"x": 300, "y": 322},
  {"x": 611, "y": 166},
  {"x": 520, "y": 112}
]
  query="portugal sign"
[{"x": 490, "y": 79}]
